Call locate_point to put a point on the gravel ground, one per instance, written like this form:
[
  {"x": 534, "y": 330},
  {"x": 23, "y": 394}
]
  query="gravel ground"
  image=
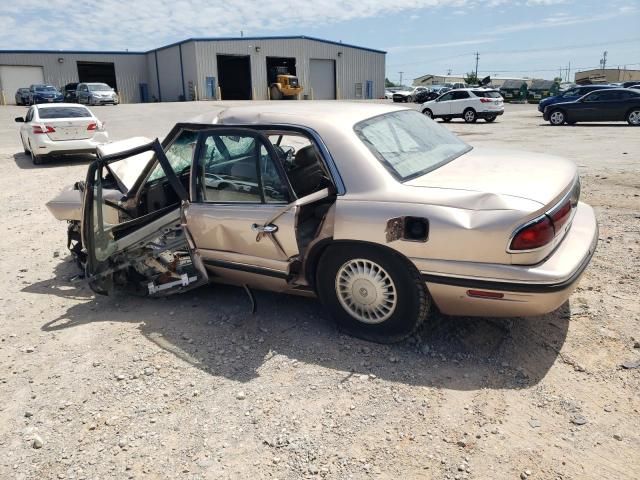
[{"x": 196, "y": 387}]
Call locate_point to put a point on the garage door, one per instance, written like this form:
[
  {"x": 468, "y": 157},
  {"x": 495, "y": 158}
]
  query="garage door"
[
  {"x": 13, "y": 77},
  {"x": 323, "y": 78}
]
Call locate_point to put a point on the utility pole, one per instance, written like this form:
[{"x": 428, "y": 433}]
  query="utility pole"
[
  {"x": 400, "y": 77},
  {"x": 569, "y": 73},
  {"x": 477, "y": 58},
  {"x": 603, "y": 62}
]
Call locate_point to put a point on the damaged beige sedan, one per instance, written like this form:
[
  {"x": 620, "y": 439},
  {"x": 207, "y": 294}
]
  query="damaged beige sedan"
[{"x": 376, "y": 210}]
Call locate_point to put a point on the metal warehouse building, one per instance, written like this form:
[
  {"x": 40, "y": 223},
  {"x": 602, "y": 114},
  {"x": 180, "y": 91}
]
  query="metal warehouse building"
[{"x": 205, "y": 69}]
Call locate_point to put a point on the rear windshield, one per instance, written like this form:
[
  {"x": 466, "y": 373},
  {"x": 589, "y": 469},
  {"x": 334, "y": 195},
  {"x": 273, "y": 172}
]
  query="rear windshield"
[
  {"x": 409, "y": 144},
  {"x": 99, "y": 88},
  {"x": 63, "y": 112},
  {"x": 485, "y": 94}
]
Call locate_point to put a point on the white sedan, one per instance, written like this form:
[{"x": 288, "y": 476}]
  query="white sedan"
[{"x": 59, "y": 129}]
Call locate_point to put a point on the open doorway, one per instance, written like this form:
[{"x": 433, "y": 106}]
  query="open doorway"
[
  {"x": 234, "y": 77},
  {"x": 100, "y": 72},
  {"x": 280, "y": 66}
]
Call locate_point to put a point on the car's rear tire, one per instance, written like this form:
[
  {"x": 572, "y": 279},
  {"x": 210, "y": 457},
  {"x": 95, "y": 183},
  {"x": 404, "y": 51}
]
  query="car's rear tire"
[
  {"x": 490, "y": 118},
  {"x": 557, "y": 117},
  {"x": 372, "y": 294},
  {"x": 633, "y": 117},
  {"x": 470, "y": 115},
  {"x": 36, "y": 159},
  {"x": 428, "y": 112},
  {"x": 408, "y": 99}
]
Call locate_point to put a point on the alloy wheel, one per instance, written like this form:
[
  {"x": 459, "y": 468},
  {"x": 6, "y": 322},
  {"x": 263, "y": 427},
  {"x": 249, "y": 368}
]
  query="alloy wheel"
[
  {"x": 557, "y": 118},
  {"x": 634, "y": 117}
]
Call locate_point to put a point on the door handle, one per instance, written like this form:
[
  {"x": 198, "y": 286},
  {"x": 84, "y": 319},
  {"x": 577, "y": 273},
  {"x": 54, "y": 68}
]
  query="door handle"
[{"x": 270, "y": 228}]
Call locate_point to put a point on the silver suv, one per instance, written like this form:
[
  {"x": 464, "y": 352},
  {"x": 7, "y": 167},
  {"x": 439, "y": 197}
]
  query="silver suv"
[{"x": 96, "y": 94}]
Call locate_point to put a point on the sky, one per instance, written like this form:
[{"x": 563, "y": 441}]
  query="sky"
[{"x": 535, "y": 38}]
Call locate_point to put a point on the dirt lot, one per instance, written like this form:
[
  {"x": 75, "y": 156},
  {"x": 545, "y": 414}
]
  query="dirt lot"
[{"x": 196, "y": 387}]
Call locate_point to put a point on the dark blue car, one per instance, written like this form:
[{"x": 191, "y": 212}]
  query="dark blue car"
[
  {"x": 570, "y": 95},
  {"x": 44, "y": 94}
]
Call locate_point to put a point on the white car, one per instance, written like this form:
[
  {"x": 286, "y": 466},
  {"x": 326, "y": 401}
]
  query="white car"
[
  {"x": 469, "y": 104},
  {"x": 407, "y": 95},
  {"x": 59, "y": 129}
]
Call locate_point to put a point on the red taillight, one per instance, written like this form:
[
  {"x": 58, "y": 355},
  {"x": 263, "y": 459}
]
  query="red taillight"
[
  {"x": 92, "y": 126},
  {"x": 534, "y": 235},
  {"x": 561, "y": 215},
  {"x": 43, "y": 129},
  {"x": 485, "y": 100}
]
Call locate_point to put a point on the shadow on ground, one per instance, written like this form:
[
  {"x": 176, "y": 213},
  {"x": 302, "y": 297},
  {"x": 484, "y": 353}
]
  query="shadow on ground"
[
  {"x": 23, "y": 161},
  {"x": 213, "y": 329}
]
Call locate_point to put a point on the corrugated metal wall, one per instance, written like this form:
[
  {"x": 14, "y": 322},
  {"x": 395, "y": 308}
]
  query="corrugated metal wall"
[
  {"x": 190, "y": 67},
  {"x": 352, "y": 66},
  {"x": 131, "y": 69},
  {"x": 170, "y": 76}
]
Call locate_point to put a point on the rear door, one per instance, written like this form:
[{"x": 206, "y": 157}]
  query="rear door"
[{"x": 460, "y": 101}]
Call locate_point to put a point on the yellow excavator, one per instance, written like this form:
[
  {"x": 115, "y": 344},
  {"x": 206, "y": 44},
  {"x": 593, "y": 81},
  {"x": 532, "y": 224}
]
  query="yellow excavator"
[{"x": 282, "y": 85}]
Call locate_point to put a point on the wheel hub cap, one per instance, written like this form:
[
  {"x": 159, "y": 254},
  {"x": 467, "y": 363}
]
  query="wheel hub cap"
[
  {"x": 366, "y": 291},
  {"x": 635, "y": 117}
]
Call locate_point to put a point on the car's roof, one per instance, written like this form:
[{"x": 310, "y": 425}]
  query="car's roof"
[
  {"x": 307, "y": 113},
  {"x": 58, "y": 105}
]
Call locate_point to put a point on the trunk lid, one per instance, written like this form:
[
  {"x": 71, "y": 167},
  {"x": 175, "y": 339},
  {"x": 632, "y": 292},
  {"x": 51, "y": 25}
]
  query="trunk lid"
[
  {"x": 70, "y": 128},
  {"x": 533, "y": 176}
]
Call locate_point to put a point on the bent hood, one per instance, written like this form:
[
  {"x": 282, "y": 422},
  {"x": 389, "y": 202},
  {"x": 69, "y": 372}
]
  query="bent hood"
[{"x": 532, "y": 176}]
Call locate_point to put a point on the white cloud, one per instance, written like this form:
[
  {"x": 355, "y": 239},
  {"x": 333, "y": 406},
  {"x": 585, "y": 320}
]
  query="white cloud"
[
  {"x": 404, "y": 48},
  {"x": 559, "y": 20}
]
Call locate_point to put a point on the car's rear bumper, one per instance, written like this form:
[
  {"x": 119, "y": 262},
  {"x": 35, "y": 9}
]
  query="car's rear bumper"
[
  {"x": 490, "y": 113},
  {"x": 43, "y": 145},
  {"x": 518, "y": 290}
]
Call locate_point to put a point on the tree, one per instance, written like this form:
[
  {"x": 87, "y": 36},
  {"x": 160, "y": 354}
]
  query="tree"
[
  {"x": 388, "y": 83},
  {"x": 471, "y": 78}
]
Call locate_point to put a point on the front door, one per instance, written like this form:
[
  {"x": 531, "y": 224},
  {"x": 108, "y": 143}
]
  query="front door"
[
  {"x": 242, "y": 217},
  {"x": 150, "y": 253},
  {"x": 442, "y": 105}
]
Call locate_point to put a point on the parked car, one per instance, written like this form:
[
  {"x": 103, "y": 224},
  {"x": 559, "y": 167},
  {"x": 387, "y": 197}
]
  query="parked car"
[
  {"x": 69, "y": 91},
  {"x": 407, "y": 95},
  {"x": 39, "y": 93},
  {"x": 469, "y": 104},
  {"x": 388, "y": 94},
  {"x": 63, "y": 128},
  {"x": 425, "y": 96},
  {"x": 633, "y": 84},
  {"x": 96, "y": 94},
  {"x": 606, "y": 105},
  {"x": 22, "y": 96},
  {"x": 440, "y": 88},
  {"x": 570, "y": 95},
  {"x": 372, "y": 209}
]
